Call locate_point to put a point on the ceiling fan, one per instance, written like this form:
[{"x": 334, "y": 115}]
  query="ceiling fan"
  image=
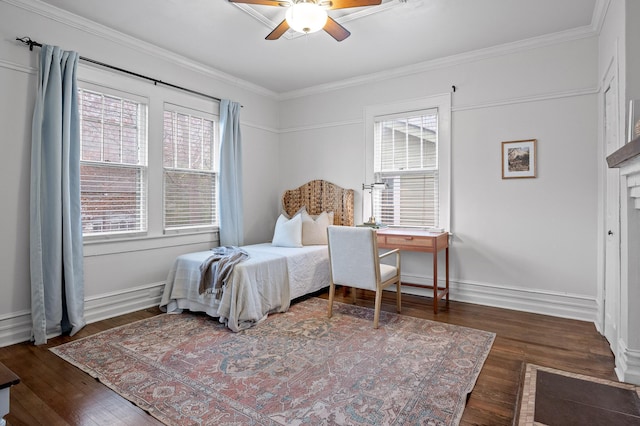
[{"x": 308, "y": 16}]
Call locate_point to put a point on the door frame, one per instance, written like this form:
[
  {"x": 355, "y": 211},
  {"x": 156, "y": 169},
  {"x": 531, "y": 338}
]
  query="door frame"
[{"x": 610, "y": 80}]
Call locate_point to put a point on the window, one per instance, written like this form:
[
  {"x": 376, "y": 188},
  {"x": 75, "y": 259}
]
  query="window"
[
  {"x": 411, "y": 156},
  {"x": 190, "y": 148},
  {"x": 406, "y": 160},
  {"x": 113, "y": 163}
]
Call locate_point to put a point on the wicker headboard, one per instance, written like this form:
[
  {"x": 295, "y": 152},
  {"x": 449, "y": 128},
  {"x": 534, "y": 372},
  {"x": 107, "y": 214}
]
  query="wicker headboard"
[{"x": 318, "y": 196}]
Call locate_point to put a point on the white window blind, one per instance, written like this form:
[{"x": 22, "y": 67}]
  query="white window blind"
[
  {"x": 113, "y": 165},
  {"x": 190, "y": 148},
  {"x": 406, "y": 160}
]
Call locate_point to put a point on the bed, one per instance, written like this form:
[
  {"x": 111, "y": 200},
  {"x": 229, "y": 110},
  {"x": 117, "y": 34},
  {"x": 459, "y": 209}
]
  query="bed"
[{"x": 294, "y": 264}]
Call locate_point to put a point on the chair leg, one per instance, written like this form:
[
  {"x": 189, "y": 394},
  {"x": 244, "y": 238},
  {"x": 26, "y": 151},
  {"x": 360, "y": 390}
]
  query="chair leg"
[
  {"x": 376, "y": 314},
  {"x": 398, "y": 296},
  {"x": 332, "y": 292}
]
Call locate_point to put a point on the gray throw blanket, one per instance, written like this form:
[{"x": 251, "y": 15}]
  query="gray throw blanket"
[{"x": 216, "y": 270}]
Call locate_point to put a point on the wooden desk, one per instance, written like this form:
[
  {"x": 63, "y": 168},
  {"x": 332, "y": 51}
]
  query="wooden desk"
[{"x": 422, "y": 241}]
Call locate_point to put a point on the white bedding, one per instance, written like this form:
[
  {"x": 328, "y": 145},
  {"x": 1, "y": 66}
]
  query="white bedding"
[{"x": 266, "y": 282}]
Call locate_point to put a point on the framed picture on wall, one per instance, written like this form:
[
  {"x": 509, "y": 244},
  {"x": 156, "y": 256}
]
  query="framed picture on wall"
[{"x": 519, "y": 159}]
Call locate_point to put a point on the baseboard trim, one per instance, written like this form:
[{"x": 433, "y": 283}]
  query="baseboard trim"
[
  {"x": 112, "y": 304},
  {"x": 16, "y": 327},
  {"x": 535, "y": 301},
  {"x": 627, "y": 364}
]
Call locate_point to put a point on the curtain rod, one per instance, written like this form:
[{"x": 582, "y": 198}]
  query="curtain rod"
[{"x": 31, "y": 43}]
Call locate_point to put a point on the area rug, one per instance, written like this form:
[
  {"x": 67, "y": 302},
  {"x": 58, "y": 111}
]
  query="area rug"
[
  {"x": 293, "y": 368},
  {"x": 555, "y": 397}
]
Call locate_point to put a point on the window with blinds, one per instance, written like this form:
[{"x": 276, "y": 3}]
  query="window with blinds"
[
  {"x": 190, "y": 149},
  {"x": 406, "y": 160},
  {"x": 113, "y": 163}
]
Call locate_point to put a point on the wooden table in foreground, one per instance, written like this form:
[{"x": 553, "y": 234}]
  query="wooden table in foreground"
[
  {"x": 7, "y": 379},
  {"x": 421, "y": 241}
]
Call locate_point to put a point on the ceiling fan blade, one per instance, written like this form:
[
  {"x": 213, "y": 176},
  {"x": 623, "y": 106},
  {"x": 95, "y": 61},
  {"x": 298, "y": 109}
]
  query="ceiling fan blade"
[
  {"x": 278, "y": 31},
  {"x": 263, "y": 2},
  {"x": 336, "y": 30},
  {"x": 344, "y": 4}
]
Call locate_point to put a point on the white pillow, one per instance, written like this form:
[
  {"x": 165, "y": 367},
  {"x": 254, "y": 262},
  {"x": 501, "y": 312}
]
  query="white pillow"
[
  {"x": 288, "y": 232},
  {"x": 314, "y": 231}
]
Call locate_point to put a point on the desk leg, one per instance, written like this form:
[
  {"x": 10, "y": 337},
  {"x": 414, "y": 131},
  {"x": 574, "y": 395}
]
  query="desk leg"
[
  {"x": 446, "y": 254},
  {"x": 435, "y": 281}
]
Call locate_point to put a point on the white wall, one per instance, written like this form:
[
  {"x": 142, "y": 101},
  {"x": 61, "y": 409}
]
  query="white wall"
[
  {"x": 120, "y": 276},
  {"x": 527, "y": 244}
]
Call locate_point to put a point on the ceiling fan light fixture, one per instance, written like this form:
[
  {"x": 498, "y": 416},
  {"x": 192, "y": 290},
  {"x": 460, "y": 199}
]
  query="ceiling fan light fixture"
[{"x": 306, "y": 17}]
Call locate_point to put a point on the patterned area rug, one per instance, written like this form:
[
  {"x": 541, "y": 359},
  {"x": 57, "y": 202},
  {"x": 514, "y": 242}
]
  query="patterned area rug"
[{"x": 293, "y": 368}]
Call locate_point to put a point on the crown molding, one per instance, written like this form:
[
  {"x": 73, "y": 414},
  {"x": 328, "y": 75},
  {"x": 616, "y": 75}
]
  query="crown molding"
[
  {"x": 449, "y": 61},
  {"x": 592, "y": 30},
  {"x": 599, "y": 13},
  {"x": 90, "y": 27}
]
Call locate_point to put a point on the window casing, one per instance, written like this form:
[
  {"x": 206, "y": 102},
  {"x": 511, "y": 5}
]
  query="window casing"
[
  {"x": 190, "y": 151},
  {"x": 113, "y": 162},
  {"x": 410, "y": 144}
]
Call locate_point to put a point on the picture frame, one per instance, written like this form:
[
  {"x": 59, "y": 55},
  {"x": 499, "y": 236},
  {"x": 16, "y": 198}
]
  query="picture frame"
[{"x": 519, "y": 159}]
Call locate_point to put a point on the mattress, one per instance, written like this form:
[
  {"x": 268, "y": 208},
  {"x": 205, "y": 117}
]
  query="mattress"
[{"x": 265, "y": 282}]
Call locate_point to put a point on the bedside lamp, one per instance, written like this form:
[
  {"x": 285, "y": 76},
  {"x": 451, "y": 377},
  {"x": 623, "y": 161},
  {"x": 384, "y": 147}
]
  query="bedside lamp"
[{"x": 371, "y": 187}]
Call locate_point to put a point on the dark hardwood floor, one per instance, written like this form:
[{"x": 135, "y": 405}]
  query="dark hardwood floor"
[{"x": 53, "y": 392}]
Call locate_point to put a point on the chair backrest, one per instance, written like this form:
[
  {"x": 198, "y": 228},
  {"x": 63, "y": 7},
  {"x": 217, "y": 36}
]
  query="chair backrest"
[{"x": 353, "y": 255}]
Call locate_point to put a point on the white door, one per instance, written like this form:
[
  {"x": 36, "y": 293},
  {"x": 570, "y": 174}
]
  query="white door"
[{"x": 612, "y": 200}]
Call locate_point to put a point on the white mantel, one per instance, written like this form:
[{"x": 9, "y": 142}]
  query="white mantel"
[
  {"x": 631, "y": 169},
  {"x": 627, "y": 160}
]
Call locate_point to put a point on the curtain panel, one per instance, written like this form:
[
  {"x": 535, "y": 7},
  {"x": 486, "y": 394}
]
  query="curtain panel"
[
  {"x": 231, "y": 208},
  {"x": 56, "y": 256}
]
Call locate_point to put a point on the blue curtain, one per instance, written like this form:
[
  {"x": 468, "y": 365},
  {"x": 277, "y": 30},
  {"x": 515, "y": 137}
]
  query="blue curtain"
[
  {"x": 231, "y": 210},
  {"x": 57, "y": 283}
]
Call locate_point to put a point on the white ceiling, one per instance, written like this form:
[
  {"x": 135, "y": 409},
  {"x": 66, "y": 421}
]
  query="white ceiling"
[{"x": 230, "y": 38}]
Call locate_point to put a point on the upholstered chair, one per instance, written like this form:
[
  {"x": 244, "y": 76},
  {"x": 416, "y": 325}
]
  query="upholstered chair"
[{"x": 355, "y": 262}]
